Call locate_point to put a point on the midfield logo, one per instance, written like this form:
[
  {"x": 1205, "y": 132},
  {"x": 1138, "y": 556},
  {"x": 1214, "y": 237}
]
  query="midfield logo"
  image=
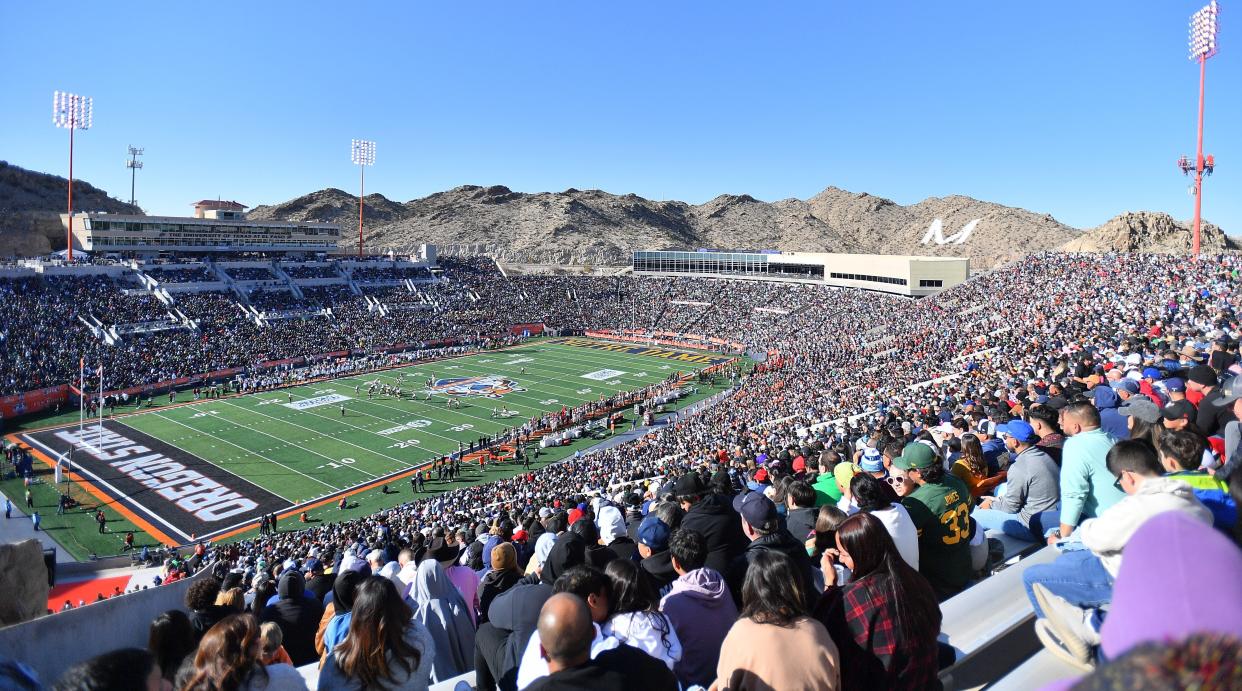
[
  {"x": 936, "y": 232},
  {"x": 489, "y": 386}
]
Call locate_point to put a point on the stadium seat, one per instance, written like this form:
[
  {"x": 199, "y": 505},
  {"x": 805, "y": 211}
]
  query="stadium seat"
[{"x": 989, "y": 626}]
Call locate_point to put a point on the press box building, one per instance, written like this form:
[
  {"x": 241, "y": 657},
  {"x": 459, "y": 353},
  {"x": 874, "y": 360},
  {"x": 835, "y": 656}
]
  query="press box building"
[{"x": 913, "y": 276}]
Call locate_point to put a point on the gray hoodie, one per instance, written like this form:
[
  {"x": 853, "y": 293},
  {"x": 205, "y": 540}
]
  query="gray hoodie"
[{"x": 701, "y": 609}]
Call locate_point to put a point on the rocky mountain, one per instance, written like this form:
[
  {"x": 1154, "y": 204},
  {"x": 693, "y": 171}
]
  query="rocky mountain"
[
  {"x": 31, "y": 204},
  {"x": 593, "y": 226},
  {"x": 331, "y": 206},
  {"x": 877, "y": 225},
  {"x": 1150, "y": 231},
  {"x": 596, "y": 227}
]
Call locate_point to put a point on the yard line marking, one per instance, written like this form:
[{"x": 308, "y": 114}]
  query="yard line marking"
[
  {"x": 248, "y": 451},
  {"x": 403, "y": 464}
]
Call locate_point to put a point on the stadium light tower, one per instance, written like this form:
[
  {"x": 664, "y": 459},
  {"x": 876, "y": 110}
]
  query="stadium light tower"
[
  {"x": 133, "y": 164},
  {"x": 1203, "y": 29},
  {"x": 362, "y": 152},
  {"x": 72, "y": 112}
]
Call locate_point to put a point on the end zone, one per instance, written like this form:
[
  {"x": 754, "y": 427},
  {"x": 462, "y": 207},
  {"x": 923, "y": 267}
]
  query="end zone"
[{"x": 173, "y": 495}]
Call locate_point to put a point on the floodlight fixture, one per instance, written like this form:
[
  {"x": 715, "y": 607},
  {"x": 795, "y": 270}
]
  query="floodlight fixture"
[
  {"x": 362, "y": 153},
  {"x": 72, "y": 112},
  {"x": 1204, "y": 27},
  {"x": 133, "y": 164}
]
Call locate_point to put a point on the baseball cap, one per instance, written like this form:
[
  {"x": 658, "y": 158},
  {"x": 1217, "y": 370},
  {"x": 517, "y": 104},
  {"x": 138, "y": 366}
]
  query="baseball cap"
[
  {"x": 1140, "y": 407},
  {"x": 654, "y": 533},
  {"x": 844, "y": 472},
  {"x": 313, "y": 564},
  {"x": 915, "y": 456},
  {"x": 1175, "y": 384},
  {"x": 1202, "y": 375},
  {"x": 1230, "y": 392},
  {"x": 1018, "y": 429},
  {"x": 761, "y": 475},
  {"x": 1151, "y": 373},
  {"x": 757, "y": 509},
  {"x": 1125, "y": 385},
  {"x": 1178, "y": 410}
]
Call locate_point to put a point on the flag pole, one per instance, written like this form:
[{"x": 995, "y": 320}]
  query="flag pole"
[
  {"x": 101, "y": 407},
  {"x": 81, "y": 406}
]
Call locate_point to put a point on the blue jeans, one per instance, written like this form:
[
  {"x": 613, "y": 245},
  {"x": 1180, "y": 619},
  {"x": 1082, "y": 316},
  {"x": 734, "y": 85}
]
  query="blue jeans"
[
  {"x": 1008, "y": 523},
  {"x": 1046, "y": 520},
  {"x": 1078, "y": 576}
]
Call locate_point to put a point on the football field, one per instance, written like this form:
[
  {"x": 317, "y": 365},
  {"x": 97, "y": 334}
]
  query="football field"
[{"x": 213, "y": 467}]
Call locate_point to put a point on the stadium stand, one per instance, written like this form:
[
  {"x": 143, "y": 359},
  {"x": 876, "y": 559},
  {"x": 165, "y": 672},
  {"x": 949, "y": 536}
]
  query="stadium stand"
[{"x": 848, "y": 384}]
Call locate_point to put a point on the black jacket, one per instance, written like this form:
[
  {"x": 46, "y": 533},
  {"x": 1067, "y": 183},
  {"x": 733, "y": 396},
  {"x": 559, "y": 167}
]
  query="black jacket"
[
  {"x": 721, "y": 528},
  {"x": 619, "y": 669},
  {"x": 659, "y": 566},
  {"x": 297, "y": 616},
  {"x": 624, "y": 548},
  {"x": 779, "y": 541},
  {"x": 494, "y": 583},
  {"x": 204, "y": 619},
  {"x": 512, "y": 617},
  {"x": 321, "y": 585},
  {"x": 801, "y": 522}
]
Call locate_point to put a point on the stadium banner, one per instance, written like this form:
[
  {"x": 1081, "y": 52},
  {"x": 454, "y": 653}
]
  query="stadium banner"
[
  {"x": 526, "y": 329},
  {"x": 175, "y": 492},
  {"x": 668, "y": 338},
  {"x": 675, "y": 355},
  {"x": 33, "y": 401}
]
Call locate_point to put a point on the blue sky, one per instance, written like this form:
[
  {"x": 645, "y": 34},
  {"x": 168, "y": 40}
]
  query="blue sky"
[{"x": 1075, "y": 109}]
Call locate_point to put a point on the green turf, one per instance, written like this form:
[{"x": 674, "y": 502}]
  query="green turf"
[{"x": 301, "y": 455}]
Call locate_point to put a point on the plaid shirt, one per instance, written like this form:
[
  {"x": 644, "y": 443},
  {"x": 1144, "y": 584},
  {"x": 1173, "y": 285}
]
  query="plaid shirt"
[{"x": 862, "y": 620}]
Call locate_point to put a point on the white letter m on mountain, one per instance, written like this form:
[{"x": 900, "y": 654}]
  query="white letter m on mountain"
[{"x": 936, "y": 232}]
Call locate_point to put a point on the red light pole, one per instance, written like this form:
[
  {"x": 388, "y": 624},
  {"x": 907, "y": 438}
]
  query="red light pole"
[
  {"x": 362, "y": 152},
  {"x": 72, "y": 112},
  {"x": 1203, "y": 30}
]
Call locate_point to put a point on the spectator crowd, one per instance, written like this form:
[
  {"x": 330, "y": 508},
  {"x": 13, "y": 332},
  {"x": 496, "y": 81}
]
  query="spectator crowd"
[{"x": 799, "y": 534}]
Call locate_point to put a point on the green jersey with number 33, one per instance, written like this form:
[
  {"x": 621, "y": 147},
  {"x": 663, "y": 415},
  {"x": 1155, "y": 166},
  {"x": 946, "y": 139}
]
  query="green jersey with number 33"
[{"x": 941, "y": 513}]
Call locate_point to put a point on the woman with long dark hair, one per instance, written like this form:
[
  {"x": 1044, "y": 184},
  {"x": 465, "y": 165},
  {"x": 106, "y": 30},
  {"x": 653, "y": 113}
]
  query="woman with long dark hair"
[
  {"x": 774, "y": 644},
  {"x": 229, "y": 659},
  {"x": 636, "y": 619},
  {"x": 886, "y": 620},
  {"x": 385, "y": 648},
  {"x": 972, "y": 468},
  {"x": 170, "y": 640}
]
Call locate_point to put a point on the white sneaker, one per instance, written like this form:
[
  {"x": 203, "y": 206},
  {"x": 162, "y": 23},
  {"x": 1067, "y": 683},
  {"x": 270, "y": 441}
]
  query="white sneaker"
[{"x": 1068, "y": 623}]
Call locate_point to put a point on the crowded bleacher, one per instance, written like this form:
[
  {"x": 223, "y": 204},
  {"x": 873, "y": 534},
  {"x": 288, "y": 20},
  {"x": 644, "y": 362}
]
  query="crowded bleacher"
[{"x": 886, "y": 456}]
